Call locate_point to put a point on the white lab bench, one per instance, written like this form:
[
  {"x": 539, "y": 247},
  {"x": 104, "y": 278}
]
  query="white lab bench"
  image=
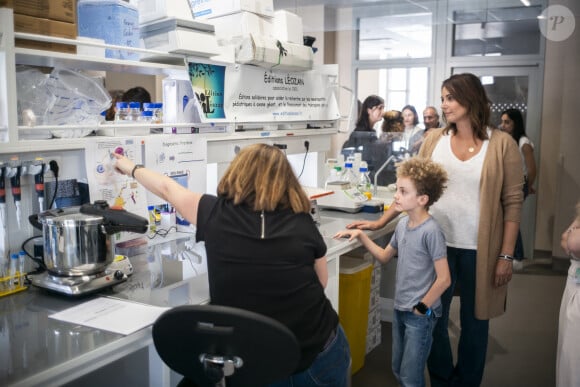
[{"x": 39, "y": 351}]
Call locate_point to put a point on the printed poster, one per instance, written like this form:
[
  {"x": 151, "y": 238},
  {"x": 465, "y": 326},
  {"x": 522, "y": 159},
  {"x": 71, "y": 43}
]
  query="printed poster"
[{"x": 245, "y": 93}]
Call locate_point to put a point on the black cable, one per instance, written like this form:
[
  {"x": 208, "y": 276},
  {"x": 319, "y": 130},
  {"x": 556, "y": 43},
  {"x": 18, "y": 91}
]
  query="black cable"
[
  {"x": 39, "y": 261},
  {"x": 54, "y": 168},
  {"x": 307, "y": 146}
]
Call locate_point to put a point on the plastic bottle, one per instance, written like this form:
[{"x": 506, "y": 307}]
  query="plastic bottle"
[
  {"x": 158, "y": 113},
  {"x": 21, "y": 259},
  {"x": 134, "y": 111},
  {"x": 329, "y": 167},
  {"x": 333, "y": 177},
  {"x": 152, "y": 223},
  {"x": 13, "y": 269},
  {"x": 364, "y": 182},
  {"x": 122, "y": 111},
  {"x": 146, "y": 116},
  {"x": 349, "y": 175}
]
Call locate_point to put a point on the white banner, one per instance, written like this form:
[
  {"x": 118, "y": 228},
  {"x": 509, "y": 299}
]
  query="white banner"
[{"x": 253, "y": 94}]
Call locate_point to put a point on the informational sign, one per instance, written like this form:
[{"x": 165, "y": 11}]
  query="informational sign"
[
  {"x": 252, "y": 94},
  {"x": 182, "y": 158}
]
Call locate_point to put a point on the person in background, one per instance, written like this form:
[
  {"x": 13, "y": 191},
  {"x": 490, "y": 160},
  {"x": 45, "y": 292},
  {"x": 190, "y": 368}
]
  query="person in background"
[
  {"x": 274, "y": 262},
  {"x": 479, "y": 213},
  {"x": 137, "y": 94},
  {"x": 568, "y": 354},
  {"x": 413, "y": 134},
  {"x": 430, "y": 119},
  {"x": 512, "y": 122},
  {"x": 116, "y": 96},
  {"x": 392, "y": 124},
  {"x": 422, "y": 269},
  {"x": 364, "y": 134},
  {"x": 379, "y": 152}
]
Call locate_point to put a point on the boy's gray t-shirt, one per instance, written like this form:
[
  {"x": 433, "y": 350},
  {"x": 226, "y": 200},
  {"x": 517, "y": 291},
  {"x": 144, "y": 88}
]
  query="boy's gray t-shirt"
[{"x": 417, "y": 249}]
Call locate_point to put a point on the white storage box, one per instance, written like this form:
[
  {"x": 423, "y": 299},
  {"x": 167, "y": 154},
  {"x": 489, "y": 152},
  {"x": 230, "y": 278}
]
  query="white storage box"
[
  {"x": 178, "y": 36},
  {"x": 114, "y": 21},
  {"x": 150, "y": 10},
  {"x": 288, "y": 27},
  {"x": 206, "y": 9},
  {"x": 228, "y": 27},
  {"x": 179, "y": 103},
  {"x": 273, "y": 54}
]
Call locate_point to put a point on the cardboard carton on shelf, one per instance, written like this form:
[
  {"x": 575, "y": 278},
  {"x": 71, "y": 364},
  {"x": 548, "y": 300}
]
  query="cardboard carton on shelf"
[
  {"x": 209, "y": 9},
  {"x": 40, "y": 26},
  {"x": 179, "y": 36},
  {"x": 235, "y": 26},
  {"x": 273, "y": 54},
  {"x": 287, "y": 27},
  {"x": 151, "y": 10},
  {"x": 61, "y": 10}
]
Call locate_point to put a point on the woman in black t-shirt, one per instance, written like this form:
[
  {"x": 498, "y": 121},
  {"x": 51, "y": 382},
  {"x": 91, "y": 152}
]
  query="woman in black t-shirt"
[{"x": 265, "y": 254}]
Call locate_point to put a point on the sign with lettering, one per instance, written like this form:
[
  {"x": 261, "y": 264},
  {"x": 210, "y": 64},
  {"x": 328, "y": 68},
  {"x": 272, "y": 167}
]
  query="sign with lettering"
[{"x": 253, "y": 94}]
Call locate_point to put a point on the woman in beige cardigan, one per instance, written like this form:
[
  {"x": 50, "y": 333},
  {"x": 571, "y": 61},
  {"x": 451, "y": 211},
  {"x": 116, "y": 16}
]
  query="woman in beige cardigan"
[{"x": 479, "y": 213}]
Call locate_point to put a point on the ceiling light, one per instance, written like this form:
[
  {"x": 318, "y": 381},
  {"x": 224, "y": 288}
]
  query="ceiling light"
[{"x": 526, "y": 2}]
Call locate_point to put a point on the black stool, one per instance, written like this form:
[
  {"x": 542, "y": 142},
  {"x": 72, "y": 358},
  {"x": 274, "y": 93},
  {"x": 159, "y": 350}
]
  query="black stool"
[{"x": 212, "y": 345}]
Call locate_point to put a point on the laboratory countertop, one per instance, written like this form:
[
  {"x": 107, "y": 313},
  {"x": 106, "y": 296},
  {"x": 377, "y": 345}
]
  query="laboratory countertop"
[{"x": 38, "y": 350}]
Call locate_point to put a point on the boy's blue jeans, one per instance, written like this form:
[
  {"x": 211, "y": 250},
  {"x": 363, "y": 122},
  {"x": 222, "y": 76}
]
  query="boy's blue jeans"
[
  {"x": 330, "y": 368},
  {"x": 412, "y": 338}
]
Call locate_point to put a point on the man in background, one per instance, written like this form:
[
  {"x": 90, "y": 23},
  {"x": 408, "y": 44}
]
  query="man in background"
[{"x": 430, "y": 118}]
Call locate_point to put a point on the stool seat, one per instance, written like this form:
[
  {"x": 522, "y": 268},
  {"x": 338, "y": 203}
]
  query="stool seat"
[{"x": 218, "y": 345}]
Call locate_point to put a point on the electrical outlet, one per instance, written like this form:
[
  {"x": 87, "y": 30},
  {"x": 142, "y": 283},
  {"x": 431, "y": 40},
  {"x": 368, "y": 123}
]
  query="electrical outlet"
[{"x": 48, "y": 172}]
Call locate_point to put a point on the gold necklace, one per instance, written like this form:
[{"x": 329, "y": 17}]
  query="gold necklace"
[{"x": 471, "y": 149}]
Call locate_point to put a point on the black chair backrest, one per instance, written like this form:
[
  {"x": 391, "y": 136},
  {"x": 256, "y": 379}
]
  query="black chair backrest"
[{"x": 268, "y": 349}]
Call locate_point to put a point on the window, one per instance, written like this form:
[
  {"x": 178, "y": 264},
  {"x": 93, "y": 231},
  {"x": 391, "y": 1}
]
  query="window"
[
  {"x": 395, "y": 36},
  {"x": 398, "y": 86},
  {"x": 497, "y": 31}
]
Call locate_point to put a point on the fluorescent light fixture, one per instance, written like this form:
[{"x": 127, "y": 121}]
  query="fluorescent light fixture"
[
  {"x": 526, "y": 2},
  {"x": 487, "y": 80}
]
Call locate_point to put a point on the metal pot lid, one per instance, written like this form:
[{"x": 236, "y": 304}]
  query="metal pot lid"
[{"x": 68, "y": 216}]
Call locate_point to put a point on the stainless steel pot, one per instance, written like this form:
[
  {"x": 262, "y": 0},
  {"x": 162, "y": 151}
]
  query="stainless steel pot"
[{"x": 77, "y": 240}]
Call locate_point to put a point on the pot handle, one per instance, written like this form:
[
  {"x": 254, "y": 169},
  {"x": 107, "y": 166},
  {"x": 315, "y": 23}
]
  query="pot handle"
[
  {"x": 33, "y": 220},
  {"x": 111, "y": 229}
]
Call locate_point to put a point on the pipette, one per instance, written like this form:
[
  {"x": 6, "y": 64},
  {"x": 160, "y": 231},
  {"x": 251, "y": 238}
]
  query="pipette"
[
  {"x": 38, "y": 171},
  {"x": 3, "y": 197},
  {"x": 3, "y": 220},
  {"x": 16, "y": 191}
]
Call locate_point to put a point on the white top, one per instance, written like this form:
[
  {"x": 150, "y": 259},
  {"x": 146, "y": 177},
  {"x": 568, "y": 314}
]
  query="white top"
[
  {"x": 457, "y": 211},
  {"x": 409, "y": 133},
  {"x": 523, "y": 141}
]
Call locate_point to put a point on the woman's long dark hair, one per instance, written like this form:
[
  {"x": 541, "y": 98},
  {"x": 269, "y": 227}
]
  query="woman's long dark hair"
[
  {"x": 467, "y": 89},
  {"x": 363, "y": 124},
  {"x": 519, "y": 128}
]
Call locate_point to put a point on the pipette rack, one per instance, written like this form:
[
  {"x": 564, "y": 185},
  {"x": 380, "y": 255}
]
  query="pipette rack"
[{"x": 12, "y": 284}]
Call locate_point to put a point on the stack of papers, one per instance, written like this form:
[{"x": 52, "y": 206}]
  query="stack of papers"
[{"x": 111, "y": 314}]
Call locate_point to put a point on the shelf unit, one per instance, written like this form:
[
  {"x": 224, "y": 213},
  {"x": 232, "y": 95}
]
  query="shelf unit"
[{"x": 12, "y": 139}]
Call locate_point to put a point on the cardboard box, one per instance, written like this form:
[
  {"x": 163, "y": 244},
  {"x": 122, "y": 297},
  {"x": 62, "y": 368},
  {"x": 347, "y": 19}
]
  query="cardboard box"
[
  {"x": 39, "y": 26},
  {"x": 287, "y": 27},
  {"x": 236, "y": 25},
  {"x": 207, "y": 9},
  {"x": 62, "y": 10},
  {"x": 273, "y": 54},
  {"x": 180, "y": 37}
]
